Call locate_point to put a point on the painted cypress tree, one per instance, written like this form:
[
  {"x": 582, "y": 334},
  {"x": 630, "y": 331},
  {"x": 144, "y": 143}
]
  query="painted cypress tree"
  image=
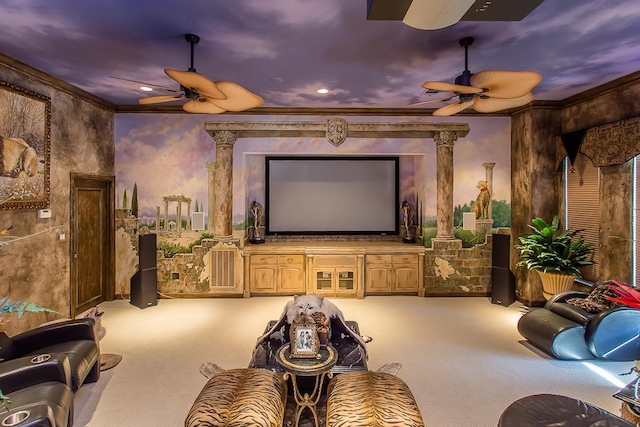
[
  {"x": 125, "y": 204},
  {"x": 134, "y": 200}
]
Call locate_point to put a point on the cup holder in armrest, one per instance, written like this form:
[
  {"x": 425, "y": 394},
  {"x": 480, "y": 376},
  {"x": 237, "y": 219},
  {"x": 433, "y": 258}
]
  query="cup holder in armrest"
[
  {"x": 15, "y": 418},
  {"x": 40, "y": 358}
]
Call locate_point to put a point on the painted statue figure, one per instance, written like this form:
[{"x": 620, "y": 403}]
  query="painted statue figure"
[
  {"x": 481, "y": 206},
  {"x": 257, "y": 211}
]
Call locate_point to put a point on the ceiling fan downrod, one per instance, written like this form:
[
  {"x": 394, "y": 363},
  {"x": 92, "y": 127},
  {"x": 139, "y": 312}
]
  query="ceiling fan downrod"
[
  {"x": 193, "y": 40},
  {"x": 465, "y": 78}
]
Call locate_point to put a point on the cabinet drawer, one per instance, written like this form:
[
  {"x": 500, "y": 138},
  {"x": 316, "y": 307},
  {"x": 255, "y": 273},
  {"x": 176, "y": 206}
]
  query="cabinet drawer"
[
  {"x": 335, "y": 261},
  {"x": 379, "y": 259},
  {"x": 405, "y": 259},
  {"x": 264, "y": 259},
  {"x": 290, "y": 259}
]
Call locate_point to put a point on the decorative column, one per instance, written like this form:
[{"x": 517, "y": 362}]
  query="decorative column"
[
  {"x": 488, "y": 173},
  {"x": 179, "y": 218},
  {"x": 189, "y": 215},
  {"x": 223, "y": 183},
  {"x": 157, "y": 218},
  {"x": 444, "y": 180},
  {"x": 166, "y": 215},
  {"x": 211, "y": 195}
]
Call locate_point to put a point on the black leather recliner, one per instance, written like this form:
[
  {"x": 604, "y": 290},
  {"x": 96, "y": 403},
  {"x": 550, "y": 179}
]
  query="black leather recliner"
[
  {"x": 75, "y": 338},
  {"x": 571, "y": 333},
  {"x": 39, "y": 391}
]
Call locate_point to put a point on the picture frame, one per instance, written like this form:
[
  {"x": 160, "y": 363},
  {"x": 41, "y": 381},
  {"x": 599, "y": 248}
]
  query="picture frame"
[
  {"x": 25, "y": 148},
  {"x": 304, "y": 338}
]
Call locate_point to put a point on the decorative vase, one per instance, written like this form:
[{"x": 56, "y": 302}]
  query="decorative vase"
[{"x": 554, "y": 283}]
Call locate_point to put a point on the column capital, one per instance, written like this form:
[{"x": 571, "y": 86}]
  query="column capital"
[
  {"x": 445, "y": 138},
  {"x": 488, "y": 165},
  {"x": 225, "y": 137}
]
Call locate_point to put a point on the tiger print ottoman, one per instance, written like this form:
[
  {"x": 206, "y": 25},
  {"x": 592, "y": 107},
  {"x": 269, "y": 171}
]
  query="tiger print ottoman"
[
  {"x": 240, "y": 397},
  {"x": 368, "y": 399}
]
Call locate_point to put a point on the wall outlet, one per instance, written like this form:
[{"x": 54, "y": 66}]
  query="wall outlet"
[{"x": 62, "y": 236}]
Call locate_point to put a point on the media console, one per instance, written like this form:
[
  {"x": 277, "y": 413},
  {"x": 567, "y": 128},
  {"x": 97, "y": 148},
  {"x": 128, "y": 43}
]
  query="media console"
[{"x": 334, "y": 268}]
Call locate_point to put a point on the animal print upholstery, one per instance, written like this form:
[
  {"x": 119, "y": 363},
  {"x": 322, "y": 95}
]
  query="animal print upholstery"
[
  {"x": 371, "y": 399},
  {"x": 240, "y": 398},
  {"x": 596, "y": 302}
]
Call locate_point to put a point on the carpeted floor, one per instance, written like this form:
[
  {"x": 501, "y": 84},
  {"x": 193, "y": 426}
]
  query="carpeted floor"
[{"x": 462, "y": 357}]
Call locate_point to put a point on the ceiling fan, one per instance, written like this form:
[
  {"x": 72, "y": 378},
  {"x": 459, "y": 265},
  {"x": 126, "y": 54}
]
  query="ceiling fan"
[
  {"x": 486, "y": 91},
  {"x": 204, "y": 95}
]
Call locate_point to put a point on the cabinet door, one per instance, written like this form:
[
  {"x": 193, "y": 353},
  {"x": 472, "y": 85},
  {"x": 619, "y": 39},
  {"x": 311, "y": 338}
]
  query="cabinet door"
[
  {"x": 378, "y": 278},
  {"x": 406, "y": 278},
  {"x": 291, "y": 278},
  {"x": 322, "y": 281},
  {"x": 346, "y": 281},
  {"x": 263, "y": 278}
]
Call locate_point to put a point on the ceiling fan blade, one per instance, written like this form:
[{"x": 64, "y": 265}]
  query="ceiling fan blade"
[
  {"x": 146, "y": 84},
  {"x": 202, "y": 107},
  {"x": 238, "y": 98},
  {"x": 450, "y": 87},
  {"x": 491, "y": 105},
  {"x": 451, "y": 109},
  {"x": 431, "y": 101},
  {"x": 160, "y": 98},
  {"x": 196, "y": 82},
  {"x": 506, "y": 84}
]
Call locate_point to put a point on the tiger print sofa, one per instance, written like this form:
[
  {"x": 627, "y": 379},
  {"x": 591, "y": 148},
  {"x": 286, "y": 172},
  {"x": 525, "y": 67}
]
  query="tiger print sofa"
[
  {"x": 240, "y": 397},
  {"x": 362, "y": 399}
]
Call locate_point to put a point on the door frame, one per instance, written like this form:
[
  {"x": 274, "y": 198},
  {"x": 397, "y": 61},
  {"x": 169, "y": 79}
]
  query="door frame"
[{"x": 109, "y": 180}]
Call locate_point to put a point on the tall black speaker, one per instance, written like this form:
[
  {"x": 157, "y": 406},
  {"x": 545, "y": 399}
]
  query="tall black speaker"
[
  {"x": 503, "y": 283},
  {"x": 144, "y": 284}
]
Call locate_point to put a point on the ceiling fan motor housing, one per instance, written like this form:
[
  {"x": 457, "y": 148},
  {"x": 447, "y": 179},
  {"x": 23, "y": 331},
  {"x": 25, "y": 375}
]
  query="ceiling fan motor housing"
[{"x": 464, "y": 79}]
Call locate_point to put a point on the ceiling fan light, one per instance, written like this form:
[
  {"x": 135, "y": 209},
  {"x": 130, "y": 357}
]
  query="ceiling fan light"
[
  {"x": 238, "y": 98},
  {"x": 492, "y": 105},
  {"x": 196, "y": 82},
  {"x": 451, "y": 109},
  {"x": 506, "y": 84},
  {"x": 450, "y": 87},
  {"x": 199, "y": 107}
]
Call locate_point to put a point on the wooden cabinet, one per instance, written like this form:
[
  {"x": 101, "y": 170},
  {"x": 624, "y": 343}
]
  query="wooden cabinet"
[
  {"x": 276, "y": 274},
  {"x": 398, "y": 273},
  {"x": 334, "y": 276}
]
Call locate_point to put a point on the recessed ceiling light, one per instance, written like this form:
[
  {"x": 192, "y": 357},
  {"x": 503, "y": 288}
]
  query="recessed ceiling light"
[
  {"x": 146, "y": 88},
  {"x": 323, "y": 90}
]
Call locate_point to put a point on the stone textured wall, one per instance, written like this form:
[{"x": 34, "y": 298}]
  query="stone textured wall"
[
  {"x": 535, "y": 186},
  {"x": 451, "y": 270},
  {"x": 38, "y": 268}
]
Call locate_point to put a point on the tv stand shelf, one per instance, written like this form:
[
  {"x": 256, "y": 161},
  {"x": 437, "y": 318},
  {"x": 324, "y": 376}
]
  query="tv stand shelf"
[{"x": 341, "y": 268}]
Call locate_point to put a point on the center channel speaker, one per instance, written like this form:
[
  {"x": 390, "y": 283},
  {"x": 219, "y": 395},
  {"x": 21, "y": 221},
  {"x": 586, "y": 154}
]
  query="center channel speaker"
[{"x": 144, "y": 284}]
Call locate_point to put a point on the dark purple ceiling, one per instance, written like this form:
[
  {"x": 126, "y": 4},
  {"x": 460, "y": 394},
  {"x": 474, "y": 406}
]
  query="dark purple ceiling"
[{"x": 284, "y": 50}]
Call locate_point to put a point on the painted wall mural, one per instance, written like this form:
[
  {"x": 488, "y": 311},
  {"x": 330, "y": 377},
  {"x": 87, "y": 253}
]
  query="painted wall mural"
[{"x": 166, "y": 156}]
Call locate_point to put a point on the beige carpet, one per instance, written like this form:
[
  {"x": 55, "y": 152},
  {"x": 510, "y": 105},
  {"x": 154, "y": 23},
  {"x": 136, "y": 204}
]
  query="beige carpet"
[{"x": 462, "y": 357}]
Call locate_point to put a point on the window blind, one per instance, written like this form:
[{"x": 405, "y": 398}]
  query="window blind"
[{"x": 583, "y": 207}]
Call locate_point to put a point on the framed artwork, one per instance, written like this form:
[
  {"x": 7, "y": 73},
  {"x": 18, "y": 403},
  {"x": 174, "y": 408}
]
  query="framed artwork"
[
  {"x": 304, "y": 338},
  {"x": 25, "y": 148}
]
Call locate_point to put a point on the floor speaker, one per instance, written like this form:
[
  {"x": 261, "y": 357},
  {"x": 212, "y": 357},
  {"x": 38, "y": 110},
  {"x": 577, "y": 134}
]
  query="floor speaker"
[
  {"x": 144, "y": 288},
  {"x": 503, "y": 288},
  {"x": 503, "y": 283}
]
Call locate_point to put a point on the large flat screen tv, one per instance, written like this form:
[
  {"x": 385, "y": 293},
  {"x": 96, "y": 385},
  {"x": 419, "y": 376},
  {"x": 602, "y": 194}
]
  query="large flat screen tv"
[{"x": 332, "y": 195}]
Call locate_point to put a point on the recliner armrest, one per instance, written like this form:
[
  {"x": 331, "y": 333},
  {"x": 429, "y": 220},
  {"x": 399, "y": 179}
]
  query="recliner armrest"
[
  {"x": 614, "y": 334},
  {"x": 55, "y": 333},
  {"x": 564, "y": 296},
  {"x": 20, "y": 373}
]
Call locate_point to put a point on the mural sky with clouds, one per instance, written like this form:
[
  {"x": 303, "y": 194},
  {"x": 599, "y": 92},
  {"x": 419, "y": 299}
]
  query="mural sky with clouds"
[{"x": 167, "y": 155}]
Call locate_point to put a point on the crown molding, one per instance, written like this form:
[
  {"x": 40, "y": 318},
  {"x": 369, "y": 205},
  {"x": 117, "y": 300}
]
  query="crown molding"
[{"x": 34, "y": 74}]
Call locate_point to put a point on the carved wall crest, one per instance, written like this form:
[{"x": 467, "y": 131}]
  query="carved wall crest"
[{"x": 336, "y": 130}]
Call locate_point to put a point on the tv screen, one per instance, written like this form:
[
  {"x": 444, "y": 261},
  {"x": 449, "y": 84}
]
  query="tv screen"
[{"x": 332, "y": 195}]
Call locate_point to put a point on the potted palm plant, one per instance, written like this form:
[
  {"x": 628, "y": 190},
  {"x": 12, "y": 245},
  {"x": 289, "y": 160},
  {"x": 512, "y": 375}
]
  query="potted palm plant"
[{"x": 557, "y": 255}]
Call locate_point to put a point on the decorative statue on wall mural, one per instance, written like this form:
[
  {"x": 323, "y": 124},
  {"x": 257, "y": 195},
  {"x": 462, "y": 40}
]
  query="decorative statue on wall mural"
[
  {"x": 481, "y": 206},
  {"x": 408, "y": 214},
  {"x": 257, "y": 215}
]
